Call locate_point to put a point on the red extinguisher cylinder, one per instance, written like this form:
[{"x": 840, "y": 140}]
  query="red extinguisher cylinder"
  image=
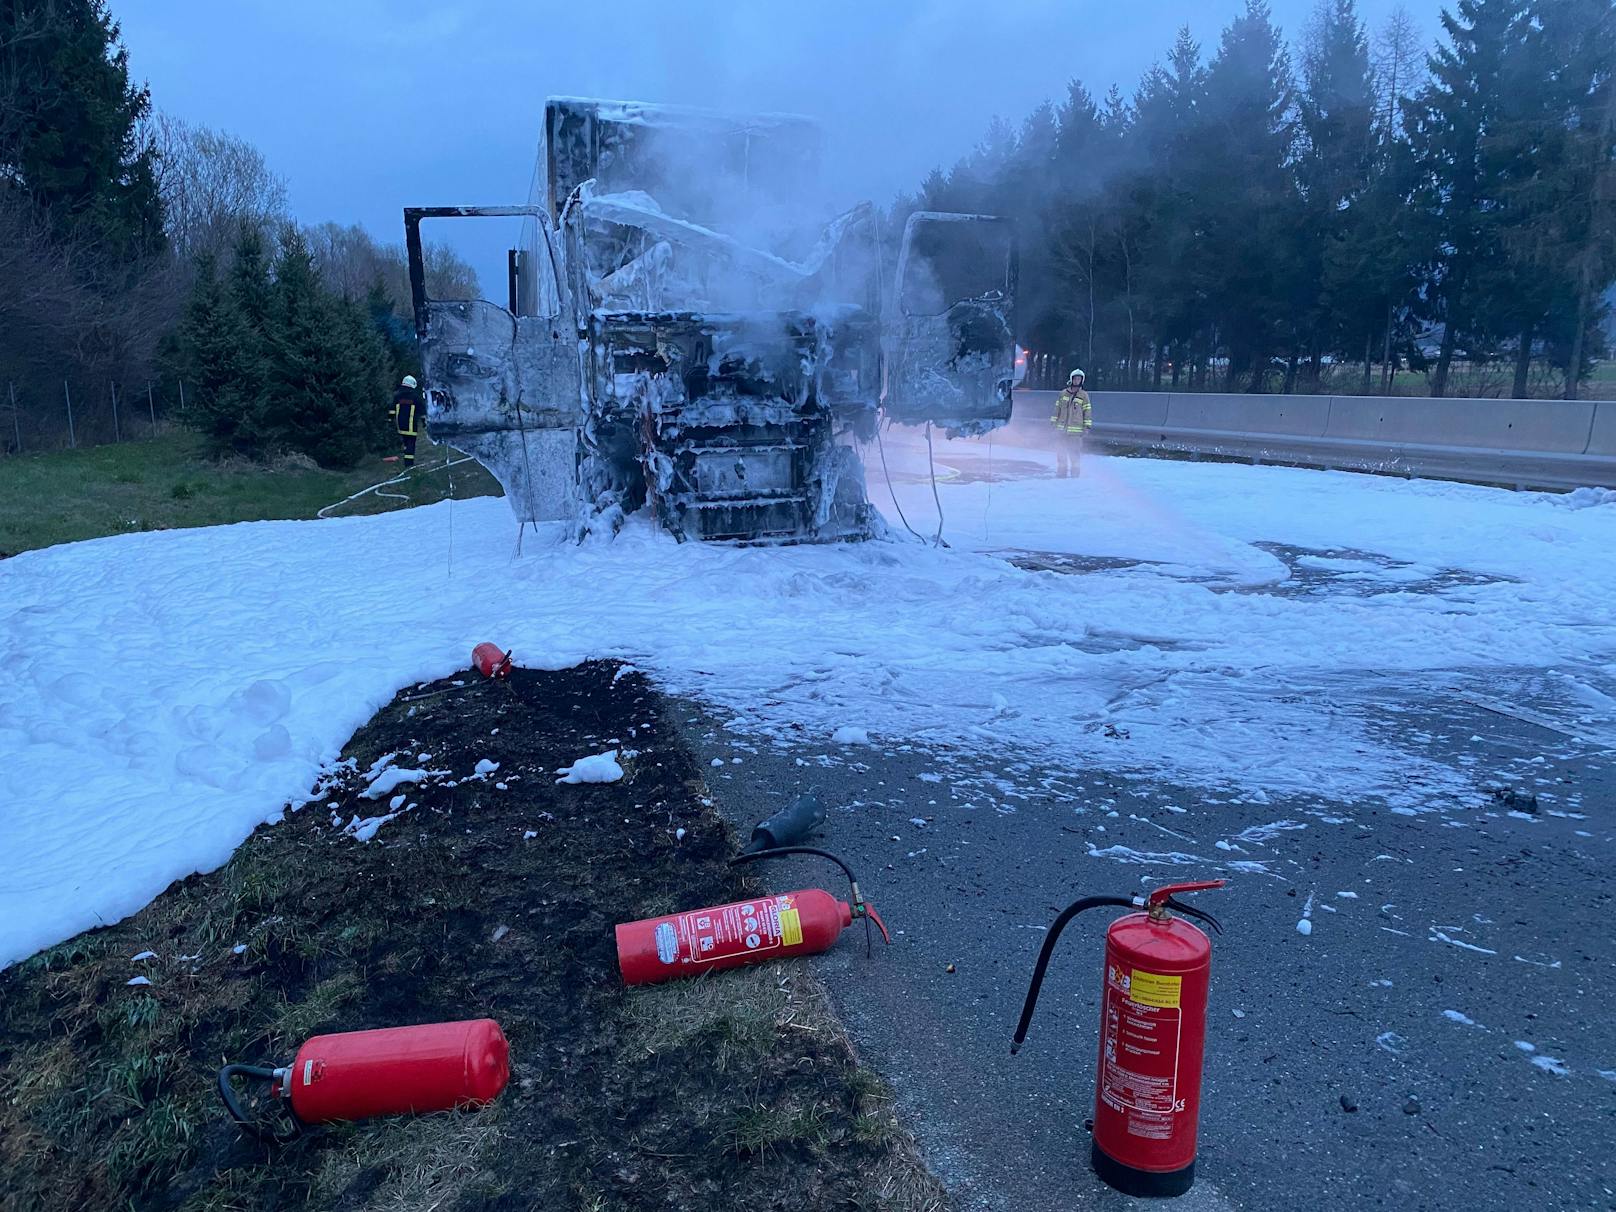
[
  {"x": 490, "y": 661},
  {"x": 1147, "y": 1098},
  {"x": 399, "y": 1071},
  {"x": 1152, "y": 1042},
  {"x": 727, "y": 936}
]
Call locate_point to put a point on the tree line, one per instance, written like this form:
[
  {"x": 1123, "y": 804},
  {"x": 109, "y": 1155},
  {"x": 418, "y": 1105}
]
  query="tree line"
[
  {"x": 1325, "y": 217},
  {"x": 136, "y": 247}
]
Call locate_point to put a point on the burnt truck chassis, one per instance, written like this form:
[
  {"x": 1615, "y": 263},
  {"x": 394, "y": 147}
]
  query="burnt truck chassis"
[
  {"x": 737, "y": 445},
  {"x": 729, "y": 424}
]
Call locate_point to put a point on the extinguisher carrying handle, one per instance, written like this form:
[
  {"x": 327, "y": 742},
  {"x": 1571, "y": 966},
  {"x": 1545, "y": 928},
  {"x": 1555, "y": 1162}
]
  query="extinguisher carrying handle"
[
  {"x": 1166, "y": 893},
  {"x": 250, "y": 1126},
  {"x": 1050, "y": 939}
]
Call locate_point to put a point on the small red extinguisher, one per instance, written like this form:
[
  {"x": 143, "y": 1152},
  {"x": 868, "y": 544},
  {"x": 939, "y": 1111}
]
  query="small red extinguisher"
[
  {"x": 489, "y": 661},
  {"x": 392, "y": 1071},
  {"x": 746, "y": 932},
  {"x": 1147, "y": 1099}
]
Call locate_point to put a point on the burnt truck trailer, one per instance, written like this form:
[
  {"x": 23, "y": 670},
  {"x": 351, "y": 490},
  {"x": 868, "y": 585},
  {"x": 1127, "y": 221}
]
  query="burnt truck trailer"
[{"x": 683, "y": 332}]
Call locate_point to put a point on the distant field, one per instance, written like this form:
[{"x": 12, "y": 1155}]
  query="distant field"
[{"x": 168, "y": 482}]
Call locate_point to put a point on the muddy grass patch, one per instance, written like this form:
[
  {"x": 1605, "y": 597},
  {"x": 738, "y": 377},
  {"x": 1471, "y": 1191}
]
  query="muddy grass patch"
[{"x": 739, "y": 1090}]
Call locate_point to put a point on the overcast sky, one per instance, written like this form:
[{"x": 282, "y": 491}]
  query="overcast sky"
[{"x": 366, "y": 106}]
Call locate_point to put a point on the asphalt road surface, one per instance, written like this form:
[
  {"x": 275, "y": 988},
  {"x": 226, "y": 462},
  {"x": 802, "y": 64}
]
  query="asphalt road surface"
[{"x": 1442, "y": 1036}]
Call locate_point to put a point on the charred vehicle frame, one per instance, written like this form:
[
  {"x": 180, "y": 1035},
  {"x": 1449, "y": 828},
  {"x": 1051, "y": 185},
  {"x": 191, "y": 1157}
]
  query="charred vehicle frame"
[{"x": 679, "y": 334}]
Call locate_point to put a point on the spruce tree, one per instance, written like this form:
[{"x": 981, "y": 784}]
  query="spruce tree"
[
  {"x": 1239, "y": 166},
  {"x": 1167, "y": 110},
  {"x": 213, "y": 344},
  {"x": 311, "y": 401},
  {"x": 1335, "y": 106},
  {"x": 70, "y": 118},
  {"x": 1448, "y": 124},
  {"x": 1578, "y": 40},
  {"x": 1025, "y": 198},
  {"x": 252, "y": 296},
  {"x": 369, "y": 382}
]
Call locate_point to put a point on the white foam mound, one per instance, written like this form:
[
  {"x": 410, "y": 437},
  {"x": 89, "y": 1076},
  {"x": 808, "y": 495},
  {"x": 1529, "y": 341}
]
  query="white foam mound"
[{"x": 599, "y": 768}]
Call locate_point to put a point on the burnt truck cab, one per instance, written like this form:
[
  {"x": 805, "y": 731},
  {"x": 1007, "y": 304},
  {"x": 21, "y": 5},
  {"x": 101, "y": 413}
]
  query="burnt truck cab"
[{"x": 680, "y": 335}]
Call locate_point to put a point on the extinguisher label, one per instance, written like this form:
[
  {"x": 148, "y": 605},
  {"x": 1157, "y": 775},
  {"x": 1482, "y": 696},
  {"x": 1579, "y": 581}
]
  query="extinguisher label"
[
  {"x": 751, "y": 928},
  {"x": 1154, "y": 989},
  {"x": 667, "y": 942},
  {"x": 790, "y": 927},
  {"x": 1139, "y": 1048}
]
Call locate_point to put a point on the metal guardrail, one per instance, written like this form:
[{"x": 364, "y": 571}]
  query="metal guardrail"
[{"x": 1554, "y": 444}]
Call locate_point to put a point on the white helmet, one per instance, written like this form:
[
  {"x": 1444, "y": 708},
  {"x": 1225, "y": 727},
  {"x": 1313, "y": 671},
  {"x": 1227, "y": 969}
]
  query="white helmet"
[
  {"x": 1076, "y": 374},
  {"x": 409, "y": 380}
]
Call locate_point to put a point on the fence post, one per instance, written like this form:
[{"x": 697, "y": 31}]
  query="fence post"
[
  {"x": 117, "y": 429},
  {"x": 72, "y": 438},
  {"x": 151, "y": 407}
]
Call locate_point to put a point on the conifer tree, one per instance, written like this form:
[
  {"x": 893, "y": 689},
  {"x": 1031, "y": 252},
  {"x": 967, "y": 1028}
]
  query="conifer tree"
[
  {"x": 312, "y": 402},
  {"x": 215, "y": 340},
  {"x": 1245, "y": 191},
  {"x": 250, "y": 292},
  {"x": 1450, "y": 121},
  {"x": 1336, "y": 153}
]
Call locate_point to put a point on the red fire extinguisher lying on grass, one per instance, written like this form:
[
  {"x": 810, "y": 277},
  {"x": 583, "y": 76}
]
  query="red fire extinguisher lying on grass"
[
  {"x": 745, "y": 932},
  {"x": 393, "y": 1071},
  {"x": 1152, "y": 1038}
]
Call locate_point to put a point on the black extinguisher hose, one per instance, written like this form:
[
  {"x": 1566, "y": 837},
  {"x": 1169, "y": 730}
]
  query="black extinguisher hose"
[
  {"x": 248, "y": 1125},
  {"x": 1050, "y": 939},
  {"x": 860, "y": 907}
]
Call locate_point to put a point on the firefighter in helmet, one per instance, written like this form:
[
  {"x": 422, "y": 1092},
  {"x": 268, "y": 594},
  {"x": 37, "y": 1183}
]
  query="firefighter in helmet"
[
  {"x": 1073, "y": 418},
  {"x": 408, "y": 416}
]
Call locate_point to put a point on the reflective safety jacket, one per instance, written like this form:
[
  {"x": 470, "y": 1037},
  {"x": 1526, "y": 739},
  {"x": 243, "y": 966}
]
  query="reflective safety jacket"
[
  {"x": 407, "y": 412},
  {"x": 1072, "y": 411}
]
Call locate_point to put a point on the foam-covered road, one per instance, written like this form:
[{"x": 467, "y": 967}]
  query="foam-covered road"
[
  {"x": 1452, "y": 987},
  {"x": 1452, "y": 982}
]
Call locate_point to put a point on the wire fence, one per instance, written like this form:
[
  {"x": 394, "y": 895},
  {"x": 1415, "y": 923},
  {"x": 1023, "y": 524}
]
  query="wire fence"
[{"x": 70, "y": 415}]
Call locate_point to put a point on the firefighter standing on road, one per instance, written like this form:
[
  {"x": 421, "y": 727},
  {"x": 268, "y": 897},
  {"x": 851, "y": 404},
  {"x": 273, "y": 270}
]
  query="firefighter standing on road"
[
  {"x": 1074, "y": 418},
  {"x": 407, "y": 417}
]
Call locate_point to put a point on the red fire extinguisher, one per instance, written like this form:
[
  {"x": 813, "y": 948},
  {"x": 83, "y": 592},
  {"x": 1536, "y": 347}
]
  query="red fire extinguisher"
[
  {"x": 1147, "y": 1098},
  {"x": 489, "y": 661},
  {"x": 392, "y": 1071},
  {"x": 745, "y": 932}
]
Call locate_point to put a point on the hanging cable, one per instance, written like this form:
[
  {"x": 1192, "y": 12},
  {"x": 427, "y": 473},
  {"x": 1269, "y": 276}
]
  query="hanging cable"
[
  {"x": 881, "y": 287},
  {"x": 527, "y": 468},
  {"x": 449, "y": 570},
  {"x": 892, "y": 492},
  {"x": 989, "y": 505},
  {"x": 937, "y": 540}
]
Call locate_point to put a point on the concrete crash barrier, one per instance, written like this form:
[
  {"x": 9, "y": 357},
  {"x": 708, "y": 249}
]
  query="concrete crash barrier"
[
  {"x": 1287, "y": 416},
  {"x": 1519, "y": 443},
  {"x": 1542, "y": 426},
  {"x": 1602, "y": 437}
]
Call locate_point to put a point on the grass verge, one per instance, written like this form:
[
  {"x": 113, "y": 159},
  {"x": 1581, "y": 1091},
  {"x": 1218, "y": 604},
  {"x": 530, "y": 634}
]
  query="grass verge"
[
  {"x": 737, "y": 1090},
  {"x": 168, "y": 482}
]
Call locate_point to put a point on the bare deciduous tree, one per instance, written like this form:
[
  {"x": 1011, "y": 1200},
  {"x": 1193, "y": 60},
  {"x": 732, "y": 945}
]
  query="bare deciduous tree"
[
  {"x": 1399, "y": 66},
  {"x": 351, "y": 261},
  {"x": 211, "y": 183}
]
